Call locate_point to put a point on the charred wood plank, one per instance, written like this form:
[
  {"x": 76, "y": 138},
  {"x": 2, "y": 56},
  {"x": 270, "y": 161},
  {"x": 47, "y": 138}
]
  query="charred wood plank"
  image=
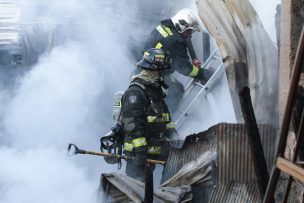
[{"x": 255, "y": 143}]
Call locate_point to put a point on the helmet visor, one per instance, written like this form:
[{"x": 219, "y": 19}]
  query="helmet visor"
[
  {"x": 143, "y": 64},
  {"x": 155, "y": 59}
]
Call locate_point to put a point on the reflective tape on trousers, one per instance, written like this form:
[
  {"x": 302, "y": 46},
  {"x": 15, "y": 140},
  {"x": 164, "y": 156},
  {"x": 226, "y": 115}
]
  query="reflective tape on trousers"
[
  {"x": 164, "y": 118},
  {"x": 170, "y": 125},
  {"x": 154, "y": 150},
  {"x": 128, "y": 146},
  {"x": 139, "y": 142}
]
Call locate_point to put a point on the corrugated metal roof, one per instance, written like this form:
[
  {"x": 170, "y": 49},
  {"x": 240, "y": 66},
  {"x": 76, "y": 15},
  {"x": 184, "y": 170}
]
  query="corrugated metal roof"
[
  {"x": 10, "y": 33},
  {"x": 233, "y": 173},
  {"x": 118, "y": 188},
  {"x": 235, "y": 193},
  {"x": 123, "y": 189},
  {"x": 9, "y": 23},
  {"x": 234, "y": 177},
  {"x": 192, "y": 148},
  {"x": 234, "y": 156}
]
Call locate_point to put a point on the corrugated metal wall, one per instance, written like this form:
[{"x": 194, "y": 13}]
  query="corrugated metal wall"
[
  {"x": 193, "y": 146},
  {"x": 234, "y": 155},
  {"x": 9, "y": 21},
  {"x": 235, "y": 193},
  {"x": 234, "y": 175}
]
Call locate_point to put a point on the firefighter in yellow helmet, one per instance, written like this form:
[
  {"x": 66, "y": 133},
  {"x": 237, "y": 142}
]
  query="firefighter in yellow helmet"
[{"x": 146, "y": 120}]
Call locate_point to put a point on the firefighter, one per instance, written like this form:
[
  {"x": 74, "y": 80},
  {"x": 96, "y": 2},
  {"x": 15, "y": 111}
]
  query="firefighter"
[
  {"x": 145, "y": 116},
  {"x": 172, "y": 35}
]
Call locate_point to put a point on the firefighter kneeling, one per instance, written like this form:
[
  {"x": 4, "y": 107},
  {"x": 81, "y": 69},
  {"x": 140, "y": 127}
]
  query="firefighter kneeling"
[{"x": 146, "y": 121}]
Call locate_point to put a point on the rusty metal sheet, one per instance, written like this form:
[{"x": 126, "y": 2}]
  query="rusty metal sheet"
[
  {"x": 235, "y": 193},
  {"x": 232, "y": 174},
  {"x": 192, "y": 148},
  {"x": 123, "y": 189},
  {"x": 234, "y": 156},
  {"x": 198, "y": 170},
  {"x": 117, "y": 189}
]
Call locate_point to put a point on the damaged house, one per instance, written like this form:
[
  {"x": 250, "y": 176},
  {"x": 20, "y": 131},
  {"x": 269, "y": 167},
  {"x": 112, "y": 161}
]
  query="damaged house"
[
  {"x": 233, "y": 162},
  {"x": 253, "y": 153}
]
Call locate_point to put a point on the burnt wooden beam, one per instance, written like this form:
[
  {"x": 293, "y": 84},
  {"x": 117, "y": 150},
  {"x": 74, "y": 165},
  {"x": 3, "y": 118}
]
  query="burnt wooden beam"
[
  {"x": 300, "y": 139},
  {"x": 294, "y": 82},
  {"x": 241, "y": 38},
  {"x": 290, "y": 168},
  {"x": 255, "y": 143}
]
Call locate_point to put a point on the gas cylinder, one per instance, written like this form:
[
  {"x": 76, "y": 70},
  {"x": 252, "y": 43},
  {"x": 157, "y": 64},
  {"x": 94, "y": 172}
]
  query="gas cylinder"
[{"x": 117, "y": 105}]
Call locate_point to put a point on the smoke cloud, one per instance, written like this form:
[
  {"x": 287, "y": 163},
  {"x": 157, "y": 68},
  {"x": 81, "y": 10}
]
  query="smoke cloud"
[
  {"x": 80, "y": 52},
  {"x": 266, "y": 11},
  {"x": 76, "y": 55},
  {"x": 41, "y": 175},
  {"x": 65, "y": 97}
]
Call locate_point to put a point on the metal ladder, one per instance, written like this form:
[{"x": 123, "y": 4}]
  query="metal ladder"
[
  {"x": 292, "y": 168},
  {"x": 196, "y": 90}
]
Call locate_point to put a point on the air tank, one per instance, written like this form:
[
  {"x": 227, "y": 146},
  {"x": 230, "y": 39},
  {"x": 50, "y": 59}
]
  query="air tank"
[{"x": 117, "y": 105}]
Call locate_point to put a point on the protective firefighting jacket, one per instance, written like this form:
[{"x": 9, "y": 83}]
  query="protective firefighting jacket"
[
  {"x": 166, "y": 37},
  {"x": 145, "y": 117}
]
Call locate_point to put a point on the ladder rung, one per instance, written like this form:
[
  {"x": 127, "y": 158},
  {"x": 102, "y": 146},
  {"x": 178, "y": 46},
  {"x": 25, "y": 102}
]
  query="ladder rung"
[{"x": 290, "y": 168}]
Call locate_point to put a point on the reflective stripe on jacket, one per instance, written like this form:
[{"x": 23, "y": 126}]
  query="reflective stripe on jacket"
[{"x": 143, "y": 121}]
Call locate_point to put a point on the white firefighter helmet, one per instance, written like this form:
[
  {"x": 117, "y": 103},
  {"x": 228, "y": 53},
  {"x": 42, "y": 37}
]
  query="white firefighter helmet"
[{"x": 185, "y": 20}]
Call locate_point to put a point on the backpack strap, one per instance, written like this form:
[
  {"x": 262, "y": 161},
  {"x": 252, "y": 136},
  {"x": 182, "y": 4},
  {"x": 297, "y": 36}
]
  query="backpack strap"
[
  {"x": 138, "y": 84},
  {"x": 146, "y": 94}
]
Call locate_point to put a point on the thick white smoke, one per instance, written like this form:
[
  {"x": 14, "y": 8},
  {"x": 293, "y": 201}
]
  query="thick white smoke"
[
  {"x": 54, "y": 99},
  {"x": 42, "y": 175},
  {"x": 65, "y": 97},
  {"x": 266, "y": 11}
]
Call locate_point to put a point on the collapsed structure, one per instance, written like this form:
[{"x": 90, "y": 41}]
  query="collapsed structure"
[
  {"x": 212, "y": 166},
  {"x": 218, "y": 165},
  {"x": 215, "y": 165}
]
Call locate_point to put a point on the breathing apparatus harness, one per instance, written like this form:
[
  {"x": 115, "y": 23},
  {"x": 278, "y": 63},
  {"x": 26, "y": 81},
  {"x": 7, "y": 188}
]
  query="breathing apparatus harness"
[{"x": 113, "y": 141}]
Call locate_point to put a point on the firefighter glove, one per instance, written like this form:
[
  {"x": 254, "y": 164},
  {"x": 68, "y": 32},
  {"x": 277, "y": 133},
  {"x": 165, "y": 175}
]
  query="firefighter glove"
[
  {"x": 204, "y": 75},
  {"x": 197, "y": 63}
]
